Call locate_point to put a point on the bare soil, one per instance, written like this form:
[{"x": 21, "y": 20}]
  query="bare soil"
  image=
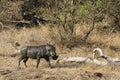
[{"x": 9, "y": 70}]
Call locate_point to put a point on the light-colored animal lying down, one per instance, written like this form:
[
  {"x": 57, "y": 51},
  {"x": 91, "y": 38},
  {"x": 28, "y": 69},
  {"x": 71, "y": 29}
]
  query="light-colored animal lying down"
[
  {"x": 81, "y": 60},
  {"x": 97, "y": 53}
]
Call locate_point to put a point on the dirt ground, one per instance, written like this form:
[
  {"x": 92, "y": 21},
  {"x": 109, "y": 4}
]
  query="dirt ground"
[{"x": 9, "y": 70}]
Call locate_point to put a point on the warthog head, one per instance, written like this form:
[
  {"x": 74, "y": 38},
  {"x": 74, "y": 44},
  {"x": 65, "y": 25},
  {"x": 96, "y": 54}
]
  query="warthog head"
[{"x": 51, "y": 50}]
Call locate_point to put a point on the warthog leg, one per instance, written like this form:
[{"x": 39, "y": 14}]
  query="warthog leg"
[
  {"x": 38, "y": 61},
  {"x": 20, "y": 59},
  {"x": 25, "y": 60},
  {"x": 48, "y": 61}
]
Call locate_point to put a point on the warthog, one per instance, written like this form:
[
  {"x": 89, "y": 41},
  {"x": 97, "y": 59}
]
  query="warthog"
[{"x": 38, "y": 52}]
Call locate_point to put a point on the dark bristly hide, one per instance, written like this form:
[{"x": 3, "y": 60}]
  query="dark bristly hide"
[{"x": 38, "y": 52}]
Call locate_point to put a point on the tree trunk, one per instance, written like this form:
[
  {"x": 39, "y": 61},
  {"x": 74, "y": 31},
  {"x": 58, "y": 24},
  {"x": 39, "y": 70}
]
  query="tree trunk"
[{"x": 91, "y": 29}]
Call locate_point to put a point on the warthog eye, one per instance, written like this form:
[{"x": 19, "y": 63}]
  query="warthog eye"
[
  {"x": 52, "y": 53},
  {"x": 49, "y": 50}
]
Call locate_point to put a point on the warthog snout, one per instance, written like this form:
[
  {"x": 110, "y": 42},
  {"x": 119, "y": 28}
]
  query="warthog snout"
[
  {"x": 55, "y": 57},
  {"x": 52, "y": 52}
]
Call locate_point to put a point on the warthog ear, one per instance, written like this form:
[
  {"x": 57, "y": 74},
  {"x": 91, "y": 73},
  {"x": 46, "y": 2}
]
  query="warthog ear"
[
  {"x": 53, "y": 44},
  {"x": 47, "y": 44}
]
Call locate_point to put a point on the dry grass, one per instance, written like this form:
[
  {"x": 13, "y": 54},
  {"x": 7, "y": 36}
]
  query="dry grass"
[
  {"x": 69, "y": 71},
  {"x": 34, "y": 36}
]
